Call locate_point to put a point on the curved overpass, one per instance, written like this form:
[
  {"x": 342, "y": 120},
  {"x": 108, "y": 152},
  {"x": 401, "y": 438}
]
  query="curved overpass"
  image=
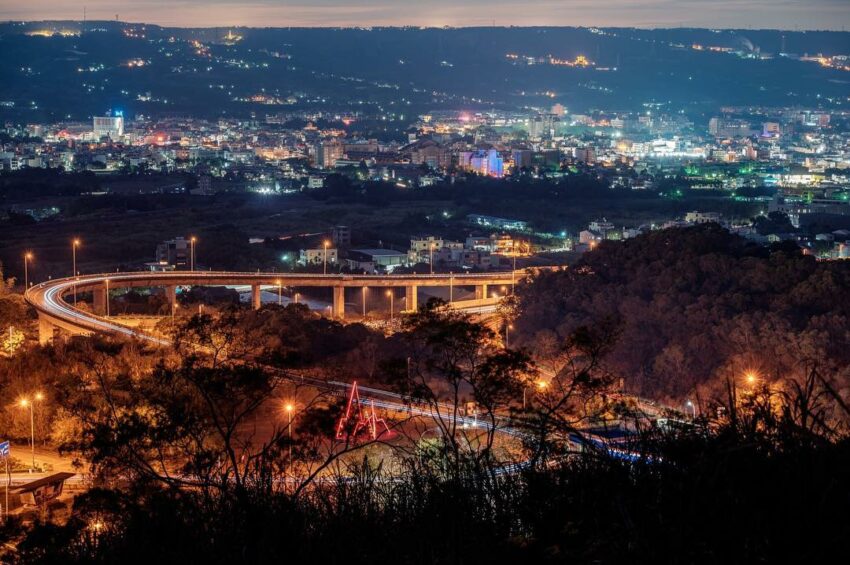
[{"x": 54, "y": 312}]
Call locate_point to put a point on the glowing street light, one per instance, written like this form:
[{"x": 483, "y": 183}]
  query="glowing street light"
[
  {"x": 751, "y": 377},
  {"x": 541, "y": 386},
  {"x": 364, "y": 301},
  {"x": 192, "y": 241},
  {"x": 289, "y": 408},
  {"x": 325, "y": 244},
  {"x": 106, "y": 281},
  {"x": 74, "y": 244},
  {"x": 431, "y": 256},
  {"x": 279, "y": 292},
  {"x": 391, "y": 296},
  {"x": 27, "y": 403},
  {"x": 27, "y": 259},
  {"x": 693, "y": 408}
]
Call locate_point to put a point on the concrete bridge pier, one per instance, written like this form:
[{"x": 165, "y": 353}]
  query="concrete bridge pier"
[
  {"x": 46, "y": 331},
  {"x": 171, "y": 296},
  {"x": 339, "y": 302},
  {"x": 256, "y": 301},
  {"x": 99, "y": 301},
  {"x": 411, "y": 298},
  {"x": 481, "y": 292}
]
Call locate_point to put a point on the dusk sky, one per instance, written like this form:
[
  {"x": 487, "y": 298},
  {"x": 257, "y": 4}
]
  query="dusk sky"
[{"x": 784, "y": 14}]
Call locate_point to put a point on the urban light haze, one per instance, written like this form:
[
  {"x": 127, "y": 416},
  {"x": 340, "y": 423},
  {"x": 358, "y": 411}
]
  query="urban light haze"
[{"x": 737, "y": 14}]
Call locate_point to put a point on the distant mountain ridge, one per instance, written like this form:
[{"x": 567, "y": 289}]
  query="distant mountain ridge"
[{"x": 400, "y": 71}]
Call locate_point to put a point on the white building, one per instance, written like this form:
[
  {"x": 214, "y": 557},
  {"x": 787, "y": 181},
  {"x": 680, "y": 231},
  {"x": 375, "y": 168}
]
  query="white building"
[
  {"x": 317, "y": 256},
  {"x": 108, "y": 126}
]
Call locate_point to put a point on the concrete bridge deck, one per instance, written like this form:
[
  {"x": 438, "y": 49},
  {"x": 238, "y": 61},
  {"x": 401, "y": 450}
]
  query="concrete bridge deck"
[{"x": 55, "y": 313}]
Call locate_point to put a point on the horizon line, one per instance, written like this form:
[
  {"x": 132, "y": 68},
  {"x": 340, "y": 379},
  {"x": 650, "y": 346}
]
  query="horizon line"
[{"x": 647, "y": 27}]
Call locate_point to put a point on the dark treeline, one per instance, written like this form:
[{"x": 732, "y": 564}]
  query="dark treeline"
[
  {"x": 766, "y": 481},
  {"x": 695, "y": 306}
]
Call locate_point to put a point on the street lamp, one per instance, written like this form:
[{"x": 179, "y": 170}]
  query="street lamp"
[
  {"x": 325, "y": 270},
  {"x": 693, "y": 408},
  {"x": 74, "y": 244},
  {"x": 451, "y": 288},
  {"x": 192, "y": 241},
  {"x": 541, "y": 386},
  {"x": 27, "y": 403},
  {"x": 392, "y": 309},
  {"x": 431, "y": 257},
  {"x": 279, "y": 292},
  {"x": 289, "y": 407},
  {"x": 27, "y": 259},
  {"x": 106, "y": 281},
  {"x": 364, "y": 301}
]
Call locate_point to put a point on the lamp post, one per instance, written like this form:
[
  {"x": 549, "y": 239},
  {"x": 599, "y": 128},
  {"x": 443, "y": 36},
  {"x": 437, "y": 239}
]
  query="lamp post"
[
  {"x": 289, "y": 408},
  {"x": 392, "y": 309},
  {"x": 27, "y": 259},
  {"x": 451, "y": 288},
  {"x": 431, "y": 257},
  {"x": 325, "y": 270},
  {"x": 279, "y": 292},
  {"x": 74, "y": 244},
  {"x": 541, "y": 386},
  {"x": 364, "y": 301},
  {"x": 27, "y": 403},
  {"x": 192, "y": 241},
  {"x": 693, "y": 408},
  {"x": 106, "y": 281}
]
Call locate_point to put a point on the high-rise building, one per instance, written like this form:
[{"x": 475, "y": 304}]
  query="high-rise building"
[
  {"x": 328, "y": 153},
  {"x": 489, "y": 163},
  {"x": 108, "y": 126}
]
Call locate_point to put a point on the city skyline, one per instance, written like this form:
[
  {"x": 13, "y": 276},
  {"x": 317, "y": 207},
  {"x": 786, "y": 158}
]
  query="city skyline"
[{"x": 738, "y": 14}]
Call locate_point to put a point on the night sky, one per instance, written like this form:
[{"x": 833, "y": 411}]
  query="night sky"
[{"x": 783, "y": 14}]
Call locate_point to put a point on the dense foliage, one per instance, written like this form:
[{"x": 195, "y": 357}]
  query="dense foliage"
[{"x": 696, "y": 306}]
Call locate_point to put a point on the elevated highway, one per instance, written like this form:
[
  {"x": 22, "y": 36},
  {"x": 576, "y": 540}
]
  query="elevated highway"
[{"x": 55, "y": 313}]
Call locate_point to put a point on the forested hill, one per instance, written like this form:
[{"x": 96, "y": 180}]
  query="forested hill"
[
  {"x": 695, "y": 306},
  {"x": 397, "y": 72}
]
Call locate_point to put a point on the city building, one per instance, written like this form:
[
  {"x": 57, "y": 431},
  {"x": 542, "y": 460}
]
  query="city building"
[
  {"x": 497, "y": 223},
  {"x": 318, "y": 256},
  {"x": 376, "y": 260},
  {"x": 703, "y": 217},
  {"x": 172, "y": 254},
  {"x": 108, "y": 126},
  {"x": 328, "y": 153},
  {"x": 341, "y": 236}
]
